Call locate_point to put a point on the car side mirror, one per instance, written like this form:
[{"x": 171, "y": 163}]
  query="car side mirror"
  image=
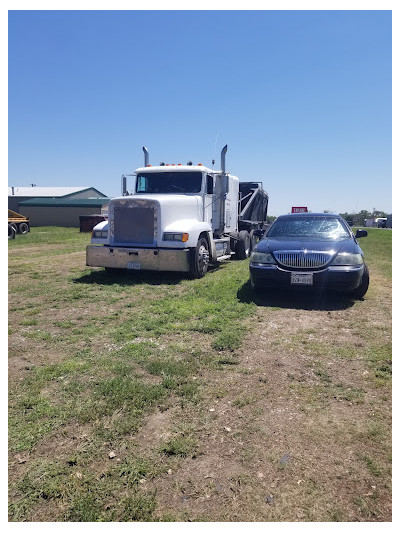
[
  {"x": 361, "y": 233},
  {"x": 258, "y": 233}
]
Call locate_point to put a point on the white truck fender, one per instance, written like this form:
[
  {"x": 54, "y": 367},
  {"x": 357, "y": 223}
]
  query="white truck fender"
[{"x": 192, "y": 227}]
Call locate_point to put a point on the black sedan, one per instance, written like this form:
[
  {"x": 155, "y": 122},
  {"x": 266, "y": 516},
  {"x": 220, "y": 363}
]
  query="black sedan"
[{"x": 310, "y": 250}]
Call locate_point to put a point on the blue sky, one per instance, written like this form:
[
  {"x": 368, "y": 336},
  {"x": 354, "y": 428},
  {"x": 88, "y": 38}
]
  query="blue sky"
[{"x": 302, "y": 98}]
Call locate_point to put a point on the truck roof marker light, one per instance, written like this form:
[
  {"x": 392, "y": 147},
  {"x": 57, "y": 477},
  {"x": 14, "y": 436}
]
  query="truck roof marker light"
[
  {"x": 179, "y": 164},
  {"x": 148, "y": 165},
  {"x": 200, "y": 165}
]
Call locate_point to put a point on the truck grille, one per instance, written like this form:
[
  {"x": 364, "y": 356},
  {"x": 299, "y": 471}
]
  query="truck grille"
[
  {"x": 133, "y": 222},
  {"x": 302, "y": 259}
]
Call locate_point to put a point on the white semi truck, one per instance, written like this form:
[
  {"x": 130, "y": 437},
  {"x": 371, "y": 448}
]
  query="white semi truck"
[{"x": 179, "y": 218}]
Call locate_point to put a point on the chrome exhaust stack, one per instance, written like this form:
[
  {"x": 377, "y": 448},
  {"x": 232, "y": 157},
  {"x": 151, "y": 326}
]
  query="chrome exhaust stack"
[
  {"x": 146, "y": 156},
  {"x": 223, "y": 153}
]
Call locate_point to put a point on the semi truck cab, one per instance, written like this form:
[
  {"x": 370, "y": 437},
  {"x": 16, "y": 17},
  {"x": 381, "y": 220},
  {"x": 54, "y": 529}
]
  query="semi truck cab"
[{"x": 177, "y": 218}]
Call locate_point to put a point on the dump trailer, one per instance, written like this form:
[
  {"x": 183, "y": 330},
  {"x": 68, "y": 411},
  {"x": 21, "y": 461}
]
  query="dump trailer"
[
  {"x": 17, "y": 223},
  {"x": 179, "y": 218}
]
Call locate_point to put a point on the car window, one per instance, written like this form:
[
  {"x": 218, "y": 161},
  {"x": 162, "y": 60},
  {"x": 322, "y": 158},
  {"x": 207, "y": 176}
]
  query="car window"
[{"x": 318, "y": 227}]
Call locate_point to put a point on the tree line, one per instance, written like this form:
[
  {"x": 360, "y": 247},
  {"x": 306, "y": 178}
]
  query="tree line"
[{"x": 353, "y": 219}]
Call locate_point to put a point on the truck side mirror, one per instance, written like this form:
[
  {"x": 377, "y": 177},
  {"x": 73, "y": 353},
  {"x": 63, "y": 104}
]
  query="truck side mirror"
[
  {"x": 361, "y": 233},
  {"x": 258, "y": 233}
]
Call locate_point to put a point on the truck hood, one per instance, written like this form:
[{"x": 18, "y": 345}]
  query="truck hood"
[{"x": 167, "y": 200}]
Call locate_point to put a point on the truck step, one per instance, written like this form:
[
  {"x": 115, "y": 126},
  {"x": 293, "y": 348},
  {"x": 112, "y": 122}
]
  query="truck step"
[{"x": 223, "y": 257}]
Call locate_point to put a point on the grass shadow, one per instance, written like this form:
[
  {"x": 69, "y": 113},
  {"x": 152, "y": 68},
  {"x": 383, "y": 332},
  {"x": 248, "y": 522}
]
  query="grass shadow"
[
  {"x": 133, "y": 277},
  {"x": 129, "y": 277},
  {"x": 301, "y": 298}
]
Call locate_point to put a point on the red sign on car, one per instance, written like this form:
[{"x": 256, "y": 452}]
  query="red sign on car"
[{"x": 299, "y": 210}]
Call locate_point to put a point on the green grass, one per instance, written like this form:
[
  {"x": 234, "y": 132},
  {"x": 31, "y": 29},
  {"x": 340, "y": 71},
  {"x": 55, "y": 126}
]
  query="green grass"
[
  {"x": 106, "y": 351},
  {"x": 154, "y": 333}
]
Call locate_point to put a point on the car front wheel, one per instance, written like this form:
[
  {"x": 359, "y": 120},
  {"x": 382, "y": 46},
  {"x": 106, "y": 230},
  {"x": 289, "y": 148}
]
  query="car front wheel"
[{"x": 363, "y": 287}]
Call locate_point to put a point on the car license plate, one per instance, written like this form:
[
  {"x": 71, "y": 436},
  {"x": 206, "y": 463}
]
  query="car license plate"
[
  {"x": 301, "y": 279},
  {"x": 133, "y": 266}
]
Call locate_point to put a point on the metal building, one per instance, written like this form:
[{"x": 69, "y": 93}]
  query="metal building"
[
  {"x": 61, "y": 211},
  {"x": 20, "y": 194}
]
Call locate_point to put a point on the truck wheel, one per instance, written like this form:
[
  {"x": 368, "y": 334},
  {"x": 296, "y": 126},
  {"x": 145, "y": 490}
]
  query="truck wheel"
[
  {"x": 200, "y": 257},
  {"x": 23, "y": 228},
  {"x": 363, "y": 287},
  {"x": 233, "y": 241},
  {"x": 11, "y": 232},
  {"x": 14, "y": 227},
  {"x": 253, "y": 240},
  {"x": 243, "y": 245}
]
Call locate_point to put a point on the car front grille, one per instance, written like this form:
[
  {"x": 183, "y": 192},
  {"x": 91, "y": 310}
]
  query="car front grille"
[{"x": 302, "y": 259}]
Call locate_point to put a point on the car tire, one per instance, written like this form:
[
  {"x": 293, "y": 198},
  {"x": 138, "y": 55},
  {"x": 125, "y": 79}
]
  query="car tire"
[
  {"x": 243, "y": 245},
  {"x": 199, "y": 259},
  {"x": 363, "y": 287}
]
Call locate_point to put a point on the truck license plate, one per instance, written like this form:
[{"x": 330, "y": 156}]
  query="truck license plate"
[
  {"x": 301, "y": 279},
  {"x": 133, "y": 266}
]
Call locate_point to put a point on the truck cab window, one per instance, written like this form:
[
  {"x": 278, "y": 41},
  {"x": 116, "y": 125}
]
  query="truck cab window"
[
  {"x": 210, "y": 184},
  {"x": 141, "y": 184},
  {"x": 169, "y": 182}
]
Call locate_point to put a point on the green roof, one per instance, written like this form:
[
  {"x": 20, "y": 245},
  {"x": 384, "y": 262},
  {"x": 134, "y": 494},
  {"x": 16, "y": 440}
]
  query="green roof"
[{"x": 65, "y": 202}]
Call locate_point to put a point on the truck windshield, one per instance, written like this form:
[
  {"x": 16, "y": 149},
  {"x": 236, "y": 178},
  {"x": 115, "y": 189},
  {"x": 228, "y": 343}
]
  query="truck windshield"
[
  {"x": 168, "y": 182},
  {"x": 308, "y": 227}
]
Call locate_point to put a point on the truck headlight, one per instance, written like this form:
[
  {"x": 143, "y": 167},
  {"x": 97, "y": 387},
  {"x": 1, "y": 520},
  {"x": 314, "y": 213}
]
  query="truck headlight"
[
  {"x": 99, "y": 234},
  {"x": 263, "y": 258},
  {"x": 181, "y": 237},
  {"x": 347, "y": 259}
]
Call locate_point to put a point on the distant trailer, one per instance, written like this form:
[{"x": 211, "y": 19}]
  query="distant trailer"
[
  {"x": 378, "y": 222},
  {"x": 17, "y": 223}
]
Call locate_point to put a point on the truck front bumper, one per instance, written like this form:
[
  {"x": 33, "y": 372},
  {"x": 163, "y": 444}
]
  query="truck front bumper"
[{"x": 138, "y": 258}]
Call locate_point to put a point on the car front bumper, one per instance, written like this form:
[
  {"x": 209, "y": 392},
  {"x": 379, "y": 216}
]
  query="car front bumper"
[{"x": 341, "y": 278}]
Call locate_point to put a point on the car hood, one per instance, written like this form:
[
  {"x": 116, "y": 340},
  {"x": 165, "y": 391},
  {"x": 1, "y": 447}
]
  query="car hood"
[{"x": 273, "y": 245}]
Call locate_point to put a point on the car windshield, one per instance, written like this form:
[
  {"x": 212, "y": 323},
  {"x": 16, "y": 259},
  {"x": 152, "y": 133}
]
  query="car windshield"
[
  {"x": 168, "y": 182},
  {"x": 309, "y": 227}
]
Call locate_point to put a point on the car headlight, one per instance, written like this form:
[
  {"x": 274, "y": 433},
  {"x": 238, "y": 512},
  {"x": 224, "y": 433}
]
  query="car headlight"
[
  {"x": 345, "y": 258},
  {"x": 261, "y": 257},
  {"x": 99, "y": 234},
  {"x": 182, "y": 237}
]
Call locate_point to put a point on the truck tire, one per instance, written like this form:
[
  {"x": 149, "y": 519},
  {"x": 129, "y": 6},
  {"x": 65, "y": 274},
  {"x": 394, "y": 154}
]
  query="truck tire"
[
  {"x": 243, "y": 245},
  {"x": 363, "y": 287},
  {"x": 23, "y": 228},
  {"x": 199, "y": 259},
  {"x": 253, "y": 240},
  {"x": 14, "y": 227},
  {"x": 233, "y": 241},
  {"x": 11, "y": 232}
]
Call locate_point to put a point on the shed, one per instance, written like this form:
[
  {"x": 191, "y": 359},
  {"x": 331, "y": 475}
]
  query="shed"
[
  {"x": 17, "y": 195},
  {"x": 61, "y": 211}
]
